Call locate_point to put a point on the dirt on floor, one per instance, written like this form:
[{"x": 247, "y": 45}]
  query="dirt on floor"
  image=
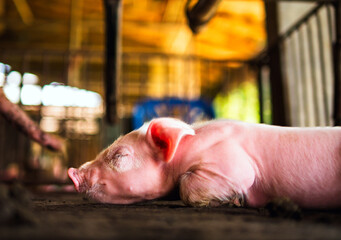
[{"x": 61, "y": 215}]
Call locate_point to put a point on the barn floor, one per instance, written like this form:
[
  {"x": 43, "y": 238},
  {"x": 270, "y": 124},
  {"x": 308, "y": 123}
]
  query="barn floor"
[{"x": 71, "y": 216}]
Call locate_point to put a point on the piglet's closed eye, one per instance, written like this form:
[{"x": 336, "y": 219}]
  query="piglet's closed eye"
[{"x": 121, "y": 160}]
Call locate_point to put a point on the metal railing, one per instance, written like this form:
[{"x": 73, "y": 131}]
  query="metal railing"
[{"x": 307, "y": 60}]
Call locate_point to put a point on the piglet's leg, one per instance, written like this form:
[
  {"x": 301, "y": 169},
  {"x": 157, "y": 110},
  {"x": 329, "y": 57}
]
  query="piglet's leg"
[
  {"x": 17, "y": 116},
  {"x": 204, "y": 188}
]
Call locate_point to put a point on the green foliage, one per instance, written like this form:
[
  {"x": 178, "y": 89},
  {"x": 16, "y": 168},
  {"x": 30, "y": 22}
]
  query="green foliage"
[{"x": 240, "y": 103}]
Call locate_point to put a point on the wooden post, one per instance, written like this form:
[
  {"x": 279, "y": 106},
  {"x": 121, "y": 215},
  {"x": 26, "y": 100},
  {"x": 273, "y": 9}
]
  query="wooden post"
[
  {"x": 75, "y": 43},
  {"x": 113, "y": 9},
  {"x": 337, "y": 65},
  {"x": 276, "y": 78}
]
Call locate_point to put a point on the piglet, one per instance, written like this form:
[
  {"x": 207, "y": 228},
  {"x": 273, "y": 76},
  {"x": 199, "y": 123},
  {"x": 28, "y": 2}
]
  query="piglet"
[{"x": 217, "y": 162}]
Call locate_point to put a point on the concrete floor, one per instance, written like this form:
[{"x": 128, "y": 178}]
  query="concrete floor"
[{"x": 70, "y": 216}]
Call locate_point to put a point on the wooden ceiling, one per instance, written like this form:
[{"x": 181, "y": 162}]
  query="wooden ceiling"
[{"x": 148, "y": 26}]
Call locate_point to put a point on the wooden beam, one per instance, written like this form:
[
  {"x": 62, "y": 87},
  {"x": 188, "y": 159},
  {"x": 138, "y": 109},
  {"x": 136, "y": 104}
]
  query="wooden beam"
[
  {"x": 279, "y": 116},
  {"x": 76, "y": 25},
  {"x": 75, "y": 43},
  {"x": 2, "y": 17},
  {"x": 113, "y": 11},
  {"x": 24, "y": 11}
]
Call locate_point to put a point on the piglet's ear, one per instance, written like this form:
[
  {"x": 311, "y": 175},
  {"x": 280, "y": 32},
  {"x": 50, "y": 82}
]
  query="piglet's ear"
[{"x": 166, "y": 133}]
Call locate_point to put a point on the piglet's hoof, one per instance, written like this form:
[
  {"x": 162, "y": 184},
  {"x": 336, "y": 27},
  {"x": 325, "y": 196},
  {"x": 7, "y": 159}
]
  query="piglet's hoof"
[{"x": 284, "y": 208}]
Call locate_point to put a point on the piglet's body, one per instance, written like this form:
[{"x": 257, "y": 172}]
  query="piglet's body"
[{"x": 218, "y": 162}]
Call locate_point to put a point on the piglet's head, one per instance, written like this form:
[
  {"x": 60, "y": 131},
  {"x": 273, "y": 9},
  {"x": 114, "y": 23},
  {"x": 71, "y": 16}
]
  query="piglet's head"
[{"x": 136, "y": 166}]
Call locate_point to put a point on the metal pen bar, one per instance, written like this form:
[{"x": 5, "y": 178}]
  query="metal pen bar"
[
  {"x": 313, "y": 74},
  {"x": 272, "y": 44},
  {"x": 46, "y": 69},
  {"x": 65, "y": 73},
  {"x": 293, "y": 50},
  {"x": 260, "y": 94},
  {"x": 323, "y": 70},
  {"x": 330, "y": 24},
  {"x": 85, "y": 72},
  {"x": 142, "y": 82},
  {"x": 303, "y": 76}
]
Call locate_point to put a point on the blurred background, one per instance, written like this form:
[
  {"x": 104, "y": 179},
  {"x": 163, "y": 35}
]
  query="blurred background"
[{"x": 91, "y": 70}]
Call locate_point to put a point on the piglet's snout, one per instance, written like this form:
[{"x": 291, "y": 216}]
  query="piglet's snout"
[{"x": 75, "y": 177}]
